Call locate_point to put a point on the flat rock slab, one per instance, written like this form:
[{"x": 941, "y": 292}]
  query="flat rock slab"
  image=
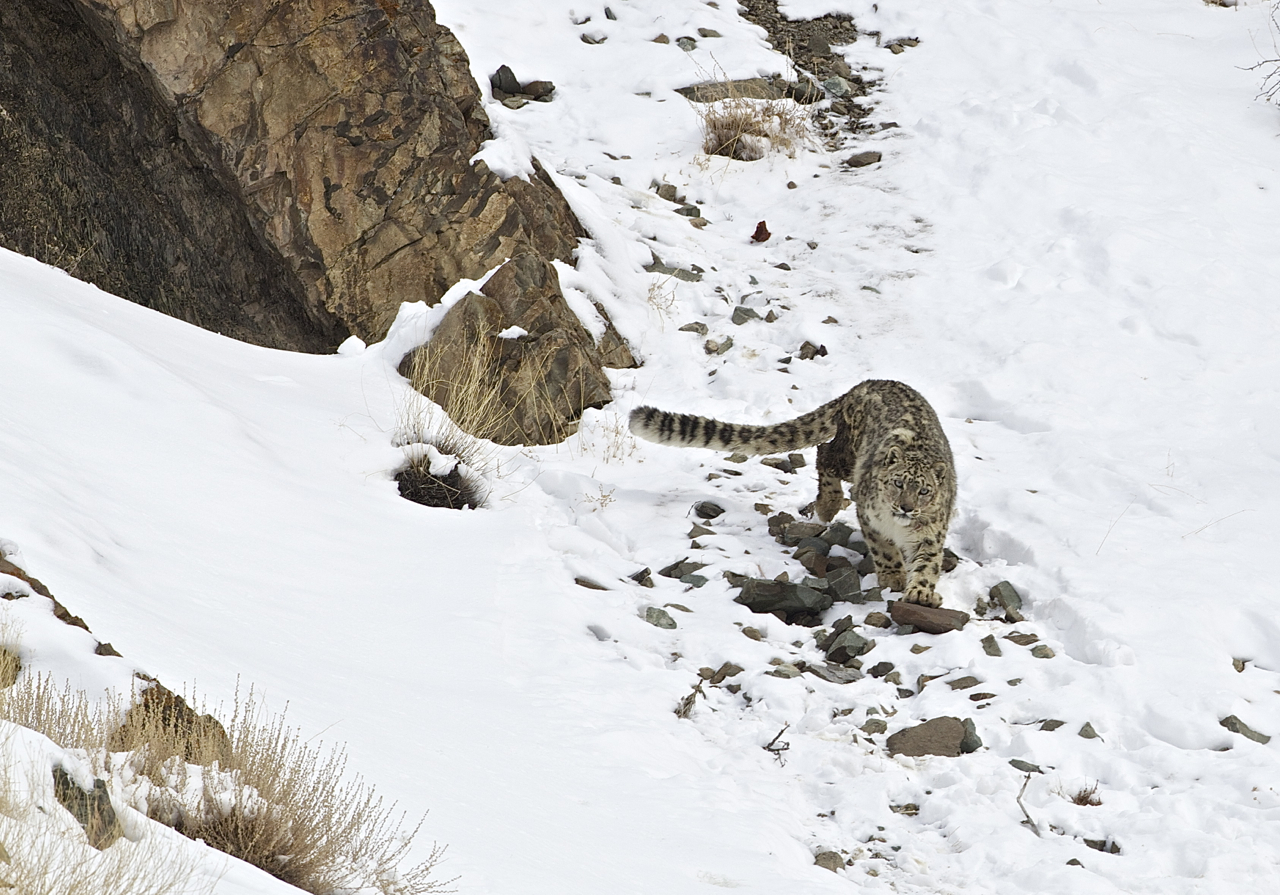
[
  {"x": 927, "y": 619},
  {"x": 763, "y": 595},
  {"x": 945, "y": 736}
]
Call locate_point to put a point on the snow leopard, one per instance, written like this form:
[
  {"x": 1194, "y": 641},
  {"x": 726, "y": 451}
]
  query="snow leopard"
[{"x": 881, "y": 437}]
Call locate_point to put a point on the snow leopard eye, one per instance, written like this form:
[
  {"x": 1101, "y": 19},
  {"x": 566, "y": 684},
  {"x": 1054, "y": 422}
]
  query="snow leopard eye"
[
  {"x": 925, "y": 490},
  {"x": 898, "y": 483}
]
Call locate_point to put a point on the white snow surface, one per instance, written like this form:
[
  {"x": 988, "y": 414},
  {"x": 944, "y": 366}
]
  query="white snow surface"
[{"x": 1068, "y": 248}]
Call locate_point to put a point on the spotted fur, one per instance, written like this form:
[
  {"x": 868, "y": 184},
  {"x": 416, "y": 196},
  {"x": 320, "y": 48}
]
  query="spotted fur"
[{"x": 881, "y": 437}]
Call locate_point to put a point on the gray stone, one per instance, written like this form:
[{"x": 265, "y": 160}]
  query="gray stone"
[
  {"x": 643, "y": 577},
  {"x": 1235, "y": 725},
  {"x": 763, "y": 595},
  {"x": 927, "y": 618},
  {"x": 693, "y": 579},
  {"x": 880, "y": 669},
  {"x": 866, "y": 566},
  {"x": 539, "y": 89},
  {"x": 504, "y": 79},
  {"x": 1051, "y": 724},
  {"x": 688, "y": 44},
  {"x": 778, "y": 525},
  {"x": 689, "y": 276},
  {"x": 837, "y": 86},
  {"x": 817, "y": 545},
  {"x": 845, "y": 584},
  {"x": 1005, "y": 595},
  {"x": 727, "y": 670},
  {"x": 971, "y": 742},
  {"x": 862, "y": 159},
  {"x": 742, "y": 314},
  {"x": 1021, "y": 639},
  {"x": 746, "y": 88},
  {"x": 829, "y": 860},
  {"x": 938, "y": 736},
  {"x": 782, "y": 464},
  {"x": 92, "y": 808},
  {"x": 874, "y": 725},
  {"x": 847, "y": 646},
  {"x": 680, "y": 568},
  {"x": 708, "y": 32},
  {"x": 695, "y": 327},
  {"x": 1088, "y": 732},
  {"x": 689, "y": 211},
  {"x": 964, "y": 683},
  {"x": 795, "y": 532},
  {"x": 706, "y": 509},
  {"x": 990, "y": 647},
  {"x": 833, "y": 673},
  {"x": 1041, "y": 651},
  {"x": 785, "y": 670},
  {"x": 659, "y": 618},
  {"x": 798, "y": 462},
  {"x": 877, "y": 620},
  {"x": 1025, "y": 766},
  {"x": 515, "y": 102},
  {"x": 718, "y": 347},
  {"x": 837, "y": 534}
]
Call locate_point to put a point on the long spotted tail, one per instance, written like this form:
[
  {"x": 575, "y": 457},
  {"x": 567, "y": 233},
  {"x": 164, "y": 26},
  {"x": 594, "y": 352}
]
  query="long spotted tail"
[{"x": 686, "y": 430}]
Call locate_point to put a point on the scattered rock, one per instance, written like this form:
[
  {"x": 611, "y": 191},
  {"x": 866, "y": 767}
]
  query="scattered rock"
[
  {"x": 847, "y": 646},
  {"x": 698, "y": 531},
  {"x": 829, "y": 860},
  {"x": 833, "y": 673},
  {"x": 845, "y": 585},
  {"x": 727, "y": 670},
  {"x": 926, "y": 618},
  {"x": 1074, "y": 862},
  {"x": 808, "y": 351},
  {"x": 910, "y": 809},
  {"x": 1005, "y": 595},
  {"x": 642, "y": 578},
  {"x": 918, "y": 648},
  {"x": 794, "y": 532},
  {"x": 162, "y": 714},
  {"x": 990, "y": 647},
  {"x": 877, "y": 620},
  {"x": 1025, "y": 766},
  {"x": 1088, "y": 732},
  {"x": 1022, "y": 639},
  {"x": 795, "y": 603},
  {"x": 718, "y": 347},
  {"x": 938, "y": 736},
  {"x": 964, "y": 683},
  {"x": 1042, "y": 651},
  {"x": 837, "y": 86},
  {"x": 688, "y": 44},
  {"x": 752, "y": 633},
  {"x": 782, "y": 464},
  {"x": 588, "y": 583},
  {"x": 778, "y": 525},
  {"x": 689, "y": 211},
  {"x": 1235, "y": 725},
  {"x": 1103, "y": 845},
  {"x": 1238, "y": 664},
  {"x": 539, "y": 90},
  {"x": 693, "y": 580},
  {"x": 862, "y": 159},
  {"x": 706, "y": 509},
  {"x": 741, "y": 314},
  {"x": 708, "y": 32},
  {"x": 949, "y": 559},
  {"x": 761, "y": 233},
  {"x": 695, "y": 327},
  {"x": 880, "y": 669},
  {"x": 971, "y": 742},
  {"x": 785, "y": 670},
  {"x": 1051, "y": 724},
  {"x": 659, "y": 618},
  {"x": 817, "y": 545},
  {"x": 91, "y": 809},
  {"x": 874, "y": 725},
  {"x": 981, "y": 697},
  {"x": 689, "y": 276},
  {"x": 680, "y": 568},
  {"x": 504, "y": 79},
  {"x": 662, "y": 39}
]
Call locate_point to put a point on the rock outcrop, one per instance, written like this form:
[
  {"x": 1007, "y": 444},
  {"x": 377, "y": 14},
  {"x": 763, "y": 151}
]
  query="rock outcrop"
[
  {"x": 103, "y": 179},
  {"x": 349, "y": 128}
]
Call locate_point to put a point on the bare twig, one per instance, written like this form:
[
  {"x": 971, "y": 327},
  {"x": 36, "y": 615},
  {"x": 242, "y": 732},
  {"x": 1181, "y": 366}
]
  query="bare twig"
[
  {"x": 1028, "y": 822},
  {"x": 776, "y": 748}
]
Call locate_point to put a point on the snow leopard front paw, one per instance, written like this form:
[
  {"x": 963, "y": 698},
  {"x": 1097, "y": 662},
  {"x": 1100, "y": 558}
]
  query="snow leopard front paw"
[{"x": 924, "y": 597}]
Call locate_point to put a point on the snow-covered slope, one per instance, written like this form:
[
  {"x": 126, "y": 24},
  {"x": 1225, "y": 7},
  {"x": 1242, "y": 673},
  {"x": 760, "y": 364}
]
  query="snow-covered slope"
[{"x": 1066, "y": 248}]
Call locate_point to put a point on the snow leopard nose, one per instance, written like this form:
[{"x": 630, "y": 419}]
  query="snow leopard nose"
[{"x": 906, "y": 503}]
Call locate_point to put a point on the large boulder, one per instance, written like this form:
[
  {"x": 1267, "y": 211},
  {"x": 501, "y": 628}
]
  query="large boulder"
[
  {"x": 349, "y": 127},
  {"x": 102, "y": 178}
]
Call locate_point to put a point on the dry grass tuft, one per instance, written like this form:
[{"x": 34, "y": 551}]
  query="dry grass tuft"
[
  {"x": 254, "y": 790},
  {"x": 748, "y": 129},
  {"x": 1087, "y": 795}
]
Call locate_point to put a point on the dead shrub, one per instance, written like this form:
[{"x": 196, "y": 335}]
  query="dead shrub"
[
  {"x": 1087, "y": 795},
  {"x": 748, "y": 129}
]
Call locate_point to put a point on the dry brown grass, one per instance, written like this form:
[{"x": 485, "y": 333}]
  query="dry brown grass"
[
  {"x": 1087, "y": 795},
  {"x": 748, "y": 129},
  {"x": 260, "y": 793}
]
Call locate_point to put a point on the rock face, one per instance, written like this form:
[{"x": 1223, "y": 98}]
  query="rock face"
[
  {"x": 103, "y": 179},
  {"x": 348, "y": 127}
]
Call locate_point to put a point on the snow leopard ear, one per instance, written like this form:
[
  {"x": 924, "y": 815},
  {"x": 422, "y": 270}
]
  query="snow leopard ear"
[
  {"x": 893, "y": 456},
  {"x": 940, "y": 470}
]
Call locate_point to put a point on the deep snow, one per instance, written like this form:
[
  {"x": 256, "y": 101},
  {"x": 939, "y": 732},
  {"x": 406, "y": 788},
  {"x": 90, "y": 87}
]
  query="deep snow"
[{"x": 1069, "y": 240}]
